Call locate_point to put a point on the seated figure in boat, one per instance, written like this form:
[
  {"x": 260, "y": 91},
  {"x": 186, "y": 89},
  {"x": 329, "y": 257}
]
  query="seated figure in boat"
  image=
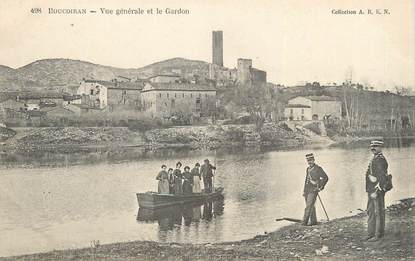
[
  {"x": 163, "y": 178},
  {"x": 171, "y": 181},
  {"x": 188, "y": 181},
  {"x": 177, "y": 173},
  {"x": 196, "y": 179}
]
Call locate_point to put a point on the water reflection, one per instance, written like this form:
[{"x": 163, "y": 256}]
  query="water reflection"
[
  {"x": 169, "y": 218},
  {"x": 49, "y": 207}
]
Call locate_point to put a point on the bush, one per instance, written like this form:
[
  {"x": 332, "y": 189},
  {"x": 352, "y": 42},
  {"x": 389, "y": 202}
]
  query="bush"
[{"x": 314, "y": 127}]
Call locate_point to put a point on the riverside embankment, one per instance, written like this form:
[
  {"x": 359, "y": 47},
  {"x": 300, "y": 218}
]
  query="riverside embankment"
[
  {"x": 192, "y": 137},
  {"x": 339, "y": 239}
]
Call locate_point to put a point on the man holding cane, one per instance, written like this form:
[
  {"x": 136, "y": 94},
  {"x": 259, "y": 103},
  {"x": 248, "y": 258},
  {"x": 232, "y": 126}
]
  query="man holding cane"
[{"x": 315, "y": 181}]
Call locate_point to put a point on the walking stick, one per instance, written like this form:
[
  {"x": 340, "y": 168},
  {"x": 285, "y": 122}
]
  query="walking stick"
[{"x": 321, "y": 202}]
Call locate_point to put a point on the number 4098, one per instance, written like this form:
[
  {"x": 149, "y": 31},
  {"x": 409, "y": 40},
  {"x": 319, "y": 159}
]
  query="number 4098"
[{"x": 36, "y": 10}]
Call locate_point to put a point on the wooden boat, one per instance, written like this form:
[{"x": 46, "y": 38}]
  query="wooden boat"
[{"x": 154, "y": 200}]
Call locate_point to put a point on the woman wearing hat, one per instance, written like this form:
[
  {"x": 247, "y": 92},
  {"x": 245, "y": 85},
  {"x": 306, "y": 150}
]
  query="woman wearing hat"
[
  {"x": 188, "y": 181},
  {"x": 177, "y": 173},
  {"x": 163, "y": 178},
  {"x": 171, "y": 181},
  {"x": 196, "y": 179}
]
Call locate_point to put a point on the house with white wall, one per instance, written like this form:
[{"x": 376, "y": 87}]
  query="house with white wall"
[{"x": 306, "y": 108}]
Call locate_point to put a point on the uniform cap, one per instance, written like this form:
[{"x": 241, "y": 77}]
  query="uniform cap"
[
  {"x": 309, "y": 156},
  {"x": 376, "y": 143}
]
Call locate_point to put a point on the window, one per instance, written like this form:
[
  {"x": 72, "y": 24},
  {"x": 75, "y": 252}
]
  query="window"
[
  {"x": 206, "y": 95},
  {"x": 291, "y": 111},
  {"x": 160, "y": 95},
  {"x": 91, "y": 92},
  {"x": 175, "y": 96},
  {"x": 302, "y": 111},
  {"x": 167, "y": 95},
  {"x": 191, "y": 95},
  {"x": 200, "y": 95},
  {"x": 183, "y": 95}
]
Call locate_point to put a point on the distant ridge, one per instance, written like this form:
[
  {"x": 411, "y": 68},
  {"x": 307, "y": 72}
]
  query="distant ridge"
[{"x": 58, "y": 72}]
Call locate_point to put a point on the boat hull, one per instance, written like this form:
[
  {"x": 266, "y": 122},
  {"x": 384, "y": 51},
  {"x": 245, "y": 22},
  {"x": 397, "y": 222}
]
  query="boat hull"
[{"x": 152, "y": 200}]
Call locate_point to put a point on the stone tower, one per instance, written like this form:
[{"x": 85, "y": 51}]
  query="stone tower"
[
  {"x": 244, "y": 71},
  {"x": 217, "y": 48}
]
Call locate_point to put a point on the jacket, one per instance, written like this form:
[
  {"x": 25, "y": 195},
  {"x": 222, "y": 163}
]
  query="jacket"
[
  {"x": 378, "y": 167},
  {"x": 315, "y": 179}
]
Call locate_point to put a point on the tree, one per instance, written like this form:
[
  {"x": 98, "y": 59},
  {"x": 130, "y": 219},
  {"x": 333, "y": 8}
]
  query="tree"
[{"x": 257, "y": 100}]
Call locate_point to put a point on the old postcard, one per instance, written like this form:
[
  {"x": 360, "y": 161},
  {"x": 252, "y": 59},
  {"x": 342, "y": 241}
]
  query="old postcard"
[{"x": 207, "y": 130}]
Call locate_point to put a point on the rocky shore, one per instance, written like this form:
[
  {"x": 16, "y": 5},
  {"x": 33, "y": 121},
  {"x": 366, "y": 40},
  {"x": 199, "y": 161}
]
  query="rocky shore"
[
  {"x": 192, "y": 137},
  {"x": 340, "y": 239}
]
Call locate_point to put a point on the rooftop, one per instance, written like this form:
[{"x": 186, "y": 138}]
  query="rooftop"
[
  {"x": 297, "y": 106},
  {"x": 179, "y": 87},
  {"x": 136, "y": 85},
  {"x": 320, "y": 98},
  {"x": 165, "y": 75}
]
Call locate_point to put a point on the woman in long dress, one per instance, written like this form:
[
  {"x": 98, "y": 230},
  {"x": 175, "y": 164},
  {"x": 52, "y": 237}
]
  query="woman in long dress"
[
  {"x": 163, "y": 178},
  {"x": 171, "y": 180},
  {"x": 177, "y": 173},
  {"x": 196, "y": 179},
  {"x": 188, "y": 181}
]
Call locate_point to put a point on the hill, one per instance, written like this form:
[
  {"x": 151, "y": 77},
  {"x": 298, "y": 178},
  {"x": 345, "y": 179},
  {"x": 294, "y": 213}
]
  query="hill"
[{"x": 58, "y": 73}]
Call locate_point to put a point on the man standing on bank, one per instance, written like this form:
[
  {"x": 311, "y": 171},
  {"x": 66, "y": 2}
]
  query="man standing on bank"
[
  {"x": 376, "y": 176},
  {"x": 207, "y": 174},
  {"x": 315, "y": 181}
]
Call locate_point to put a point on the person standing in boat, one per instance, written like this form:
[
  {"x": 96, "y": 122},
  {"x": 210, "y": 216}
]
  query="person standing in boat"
[
  {"x": 196, "y": 179},
  {"x": 207, "y": 174},
  {"x": 315, "y": 181},
  {"x": 177, "y": 173},
  {"x": 188, "y": 181},
  {"x": 171, "y": 181},
  {"x": 163, "y": 178}
]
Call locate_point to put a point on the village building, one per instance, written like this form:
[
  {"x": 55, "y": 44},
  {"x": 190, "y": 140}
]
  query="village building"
[
  {"x": 120, "y": 78},
  {"x": 246, "y": 74},
  {"x": 111, "y": 95},
  {"x": 164, "y": 78},
  {"x": 306, "y": 108},
  {"x": 94, "y": 93},
  {"x": 167, "y": 99}
]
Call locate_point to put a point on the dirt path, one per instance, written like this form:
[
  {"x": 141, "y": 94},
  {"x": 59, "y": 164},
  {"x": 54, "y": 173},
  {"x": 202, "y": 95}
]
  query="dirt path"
[{"x": 341, "y": 239}]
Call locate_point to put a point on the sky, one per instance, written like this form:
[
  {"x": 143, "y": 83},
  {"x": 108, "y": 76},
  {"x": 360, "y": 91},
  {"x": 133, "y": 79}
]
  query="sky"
[{"x": 295, "y": 41}]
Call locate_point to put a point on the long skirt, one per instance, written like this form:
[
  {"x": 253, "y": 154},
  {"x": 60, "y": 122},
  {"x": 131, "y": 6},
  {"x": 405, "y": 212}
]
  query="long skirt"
[
  {"x": 196, "y": 185},
  {"x": 187, "y": 187},
  {"x": 163, "y": 186},
  {"x": 178, "y": 189}
]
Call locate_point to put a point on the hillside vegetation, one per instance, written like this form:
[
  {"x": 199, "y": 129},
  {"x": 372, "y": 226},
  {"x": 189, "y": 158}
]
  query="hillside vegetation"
[{"x": 55, "y": 73}]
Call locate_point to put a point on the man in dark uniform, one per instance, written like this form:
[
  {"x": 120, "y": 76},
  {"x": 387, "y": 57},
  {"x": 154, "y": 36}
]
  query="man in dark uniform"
[
  {"x": 376, "y": 176},
  {"x": 315, "y": 181},
  {"x": 207, "y": 174}
]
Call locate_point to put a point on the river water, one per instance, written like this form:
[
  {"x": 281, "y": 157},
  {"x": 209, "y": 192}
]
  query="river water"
[{"x": 58, "y": 202}]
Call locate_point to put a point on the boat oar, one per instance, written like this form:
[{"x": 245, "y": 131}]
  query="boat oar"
[{"x": 289, "y": 219}]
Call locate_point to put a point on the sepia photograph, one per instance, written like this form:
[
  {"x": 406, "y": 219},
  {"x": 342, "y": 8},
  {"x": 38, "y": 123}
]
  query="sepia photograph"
[{"x": 207, "y": 130}]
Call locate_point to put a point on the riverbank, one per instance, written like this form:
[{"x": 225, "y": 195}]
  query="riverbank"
[
  {"x": 340, "y": 239},
  {"x": 192, "y": 137}
]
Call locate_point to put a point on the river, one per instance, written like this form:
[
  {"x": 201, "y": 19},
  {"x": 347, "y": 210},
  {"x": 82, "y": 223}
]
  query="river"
[{"x": 52, "y": 202}]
